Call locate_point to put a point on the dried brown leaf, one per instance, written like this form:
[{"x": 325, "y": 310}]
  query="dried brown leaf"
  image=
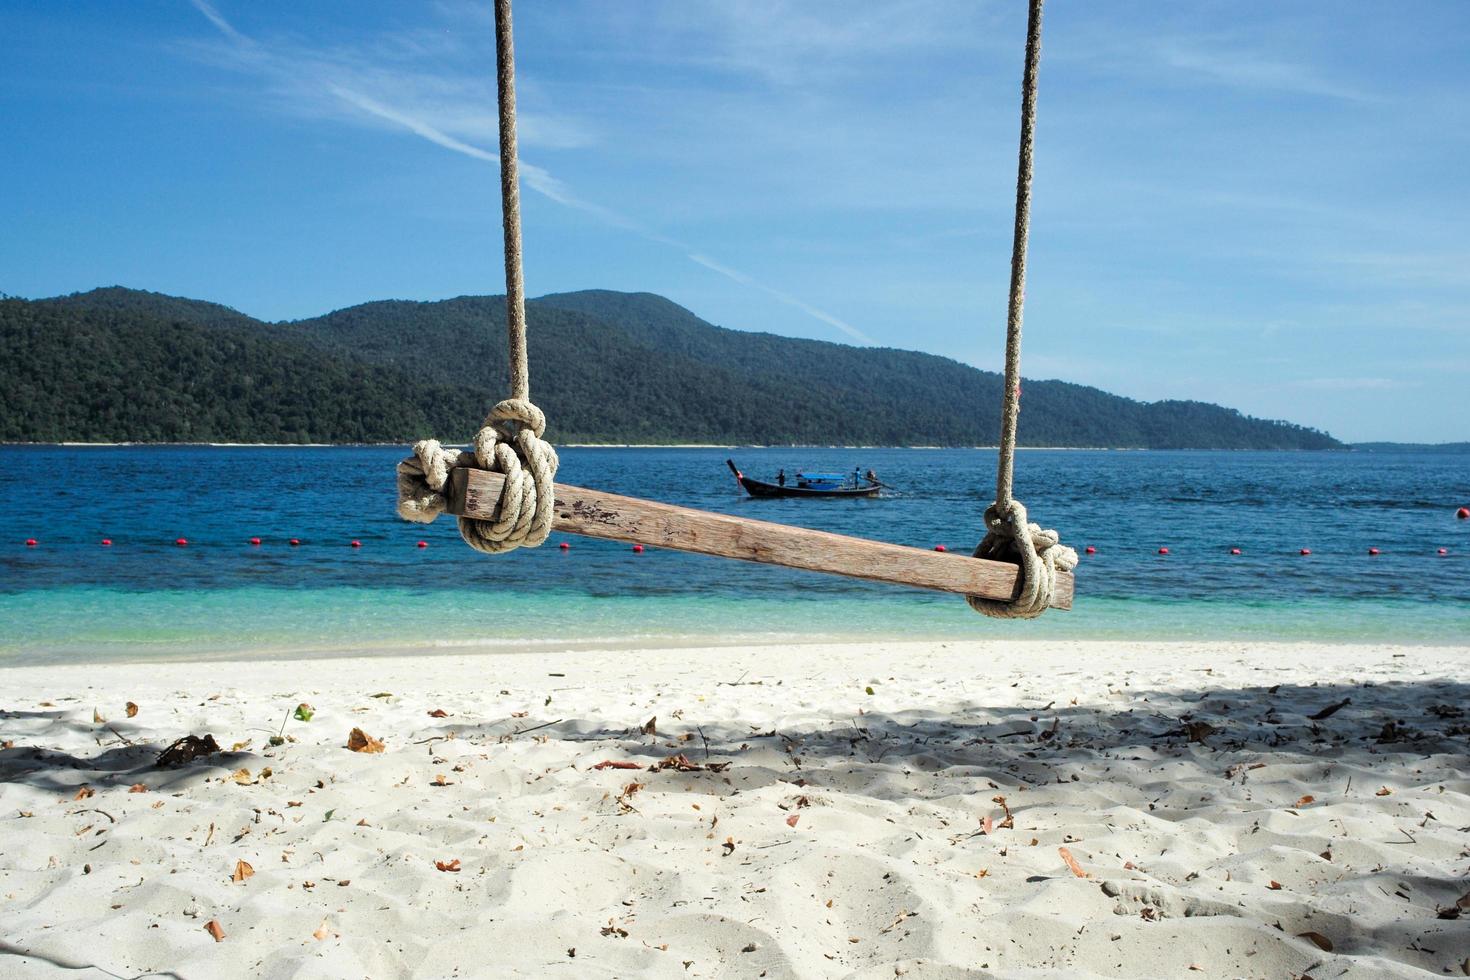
[
  {"x": 215, "y": 929},
  {"x": 617, "y": 764},
  {"x": 447, "y": 865},
  {"x": 438, "y": 713},
  {"x": 1307, "y": 800},
  {"x": 84, "y": 792},
  {"x": 243, "y": 870},
  {"x": 1275, "y": 886},
  {"x": 1316, "y": 939},
  {"x": 791, "y": 820},
  {"x": 132, "y": 710},
  {"x": 137, "y": 788},
  {"x": 650, "y": 727},
  {"x": 187, "y": 749},
  {"x": 360, "y": 741},
  {"x": 1071, "y": 862},
  {"x": 682, "y": 763},
  {"x": 1384, "y": 791}
]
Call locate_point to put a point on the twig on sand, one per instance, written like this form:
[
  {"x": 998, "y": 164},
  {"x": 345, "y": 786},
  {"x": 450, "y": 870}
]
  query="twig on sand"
[
  {"x": 740, "y": 682},
  {"x": 535, "y": 728},
  {"x": 1330, "y": 710},
  {"x": 700, "y": 729}
]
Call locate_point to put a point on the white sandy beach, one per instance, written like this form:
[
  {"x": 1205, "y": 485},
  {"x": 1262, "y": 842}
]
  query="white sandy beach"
[{"x": 844, "y": 833}]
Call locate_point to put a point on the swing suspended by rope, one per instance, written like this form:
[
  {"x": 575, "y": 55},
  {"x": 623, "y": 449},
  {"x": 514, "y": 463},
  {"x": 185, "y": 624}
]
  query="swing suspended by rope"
[{"x": 505, "y": 497}]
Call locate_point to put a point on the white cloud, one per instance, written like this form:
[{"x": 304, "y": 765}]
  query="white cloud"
[
  {"x": 446, "y": 111},
  {"x": 1354, "y": 384},
  {"x": 786, "y": 298},
  {"x": 1243, "y": 67}
]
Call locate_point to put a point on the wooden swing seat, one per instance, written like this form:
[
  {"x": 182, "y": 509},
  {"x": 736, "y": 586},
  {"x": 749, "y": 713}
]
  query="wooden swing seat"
[{"x": 475, "y": 493}]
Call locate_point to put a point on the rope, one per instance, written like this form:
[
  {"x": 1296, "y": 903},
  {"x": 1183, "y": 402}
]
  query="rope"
[
  {"x": 1008, "y": 535},
  {"x": 509, "y": 440}
]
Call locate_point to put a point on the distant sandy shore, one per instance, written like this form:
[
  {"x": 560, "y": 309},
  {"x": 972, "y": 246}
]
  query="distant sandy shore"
[
  {"x": 565, "y": 445},
  {"x": 868, "y": 810}
]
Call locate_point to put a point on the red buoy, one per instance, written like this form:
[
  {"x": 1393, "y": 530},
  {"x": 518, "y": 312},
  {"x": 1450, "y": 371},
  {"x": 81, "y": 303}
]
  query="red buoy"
[
  {"x": 1444, "y": 551},
  {"x": 1306, "y": 551},
  {"x": 107, "y": 542},
  {"x": 30, "y": 542},
  {"x": 638, "y": 549},
  {"x": 294, "y": 542},
  {"x": 181, "y": 542},
  {"x": 1163, "y": 551},
  {"x": 1463, "y": 513},
  {"x": 940, "y": 547},
  {"x": 255, "y": 541},
  {"x": 423, "y": 544},
  {"x": 564, "y": 546},
  {"x": 356, "y": 543},
  {"x": 1090, "y": 550},
  {"x": 1372, "y": 551},
  {"x": 1235, "y": 551}
]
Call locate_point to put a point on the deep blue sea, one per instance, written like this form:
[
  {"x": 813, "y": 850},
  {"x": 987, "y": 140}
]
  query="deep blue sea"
[{"x": 71, "y": 599}]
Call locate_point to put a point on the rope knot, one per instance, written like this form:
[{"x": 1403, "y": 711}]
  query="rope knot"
[
  {"x": 508, "y": 443},
  {"x": 1009, "y": 537}
]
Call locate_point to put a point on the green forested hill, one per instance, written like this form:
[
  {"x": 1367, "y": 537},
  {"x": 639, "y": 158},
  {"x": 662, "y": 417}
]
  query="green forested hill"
[{"x": 120, "y": 364}]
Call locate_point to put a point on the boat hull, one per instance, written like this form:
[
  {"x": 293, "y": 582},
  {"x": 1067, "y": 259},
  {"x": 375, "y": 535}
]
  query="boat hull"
[{"x": 760, "y": 488}]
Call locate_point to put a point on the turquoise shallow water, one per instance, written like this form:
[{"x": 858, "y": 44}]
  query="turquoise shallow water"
[{"x": 70, "y": 599}]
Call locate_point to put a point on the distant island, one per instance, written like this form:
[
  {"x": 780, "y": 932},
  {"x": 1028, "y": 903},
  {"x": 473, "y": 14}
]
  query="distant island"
[{"x": 124, "y": 365}]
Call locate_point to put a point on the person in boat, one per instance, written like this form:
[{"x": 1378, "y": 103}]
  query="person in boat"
[
  {"x": 781, "y": 478},
  {"x": 870, "y": 476}
]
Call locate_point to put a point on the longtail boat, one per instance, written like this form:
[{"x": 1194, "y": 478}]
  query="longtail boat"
[{"x": 810, "y": 484}]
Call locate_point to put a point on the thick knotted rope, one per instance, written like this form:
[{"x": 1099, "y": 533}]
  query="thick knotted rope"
[
  {"x": 1009, "y": 536},
  {"x": 509, "y": 441},
  {"x": 1039, "y": 553}
]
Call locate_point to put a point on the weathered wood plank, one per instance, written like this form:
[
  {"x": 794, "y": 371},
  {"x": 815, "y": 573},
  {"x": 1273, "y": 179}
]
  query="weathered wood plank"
[{"x": 475, "y": 493}]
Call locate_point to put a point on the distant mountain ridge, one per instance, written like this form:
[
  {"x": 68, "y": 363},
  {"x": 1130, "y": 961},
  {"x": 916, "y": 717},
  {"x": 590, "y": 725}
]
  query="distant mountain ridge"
[{"x": 117, "y": 364}]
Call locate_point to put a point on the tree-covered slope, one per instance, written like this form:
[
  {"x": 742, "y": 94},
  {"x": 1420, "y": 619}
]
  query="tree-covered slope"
[
  {"x": 607, "y": 367},
  {"x": 120, "y": 374}
]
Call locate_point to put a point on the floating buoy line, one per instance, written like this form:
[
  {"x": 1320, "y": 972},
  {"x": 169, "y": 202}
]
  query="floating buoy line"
[
  {"x": 638, "y": 549},
  {"x": 1462, "y": 513}
]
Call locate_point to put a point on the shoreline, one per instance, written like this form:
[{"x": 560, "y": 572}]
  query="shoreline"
[
  {"x": 928, "y": 810},
  {"x": 699, "y": 445},
  {"x": 432, "y": 651}
]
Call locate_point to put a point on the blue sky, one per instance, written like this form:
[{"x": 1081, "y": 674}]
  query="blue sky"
[{"x": 1258, "y": 204}]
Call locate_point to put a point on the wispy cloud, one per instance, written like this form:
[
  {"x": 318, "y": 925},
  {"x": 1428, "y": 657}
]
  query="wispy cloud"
[
  {"x": 1251, "y": 68},
  {"x": 1226, "y": 59},
  {"x": 799, "y": 42},
  {"x": 786, "y": 298},
  {"x": 1355, "y": 384},
  {"x": 311, "y": 77}
]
